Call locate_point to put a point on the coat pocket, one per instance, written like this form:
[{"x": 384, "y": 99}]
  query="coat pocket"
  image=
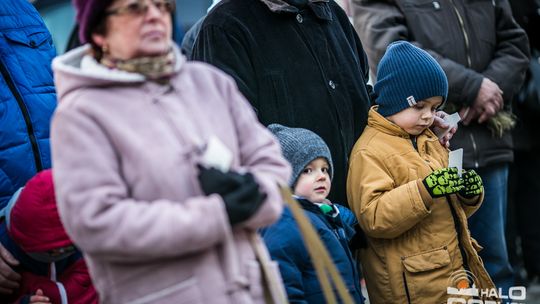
[
  {"x": 184, "y": 292},
  {"x": 34, "y": 51},
  {"x": 425, "y": 275}
]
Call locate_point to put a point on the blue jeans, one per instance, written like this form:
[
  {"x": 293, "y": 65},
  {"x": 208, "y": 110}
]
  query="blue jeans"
[{"x": 487, "y": 225}]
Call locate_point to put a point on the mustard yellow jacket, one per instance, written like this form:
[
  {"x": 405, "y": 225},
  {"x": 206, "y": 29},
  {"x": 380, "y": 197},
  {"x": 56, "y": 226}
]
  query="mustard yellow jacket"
[{"x": 415, "y": 241}]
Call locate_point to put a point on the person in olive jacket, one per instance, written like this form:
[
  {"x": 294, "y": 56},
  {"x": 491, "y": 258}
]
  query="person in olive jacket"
[
  {"x": 412, "y": 207},
  {"x": 484, "y": 53}
]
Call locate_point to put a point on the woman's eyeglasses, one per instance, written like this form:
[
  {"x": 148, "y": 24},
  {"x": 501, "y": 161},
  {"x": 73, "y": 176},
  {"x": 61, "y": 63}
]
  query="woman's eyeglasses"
[{"x": 141, "y": 7}]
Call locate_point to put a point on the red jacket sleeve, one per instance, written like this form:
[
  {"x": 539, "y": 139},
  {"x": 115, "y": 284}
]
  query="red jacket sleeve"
[
  {"x": 30, "y": 283},
  {"x": 78, "y": 285}
]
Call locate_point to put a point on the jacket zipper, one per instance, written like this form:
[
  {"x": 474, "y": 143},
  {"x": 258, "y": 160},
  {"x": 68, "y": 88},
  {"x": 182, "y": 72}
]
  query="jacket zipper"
[
  {"x": 340, "y": 238},
  {"x": 465, "y": 35},
  {"x": 458, "y": 231},
  {"x": 351, "y": 262},
  {"x": 25, "y": 114},
  {"x": 473, "y": 141},
  {"x": 406, "y": 288}
]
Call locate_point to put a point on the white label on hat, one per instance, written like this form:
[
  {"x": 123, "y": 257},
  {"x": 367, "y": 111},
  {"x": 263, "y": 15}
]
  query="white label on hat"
[
  {"x": 455, "y": 160},
  {"x": 217, "y": 155},
  {"x": 411, "y": 100}
]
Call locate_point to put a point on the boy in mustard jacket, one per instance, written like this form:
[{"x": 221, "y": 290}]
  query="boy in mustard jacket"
[{"x": 412, "y": 207}]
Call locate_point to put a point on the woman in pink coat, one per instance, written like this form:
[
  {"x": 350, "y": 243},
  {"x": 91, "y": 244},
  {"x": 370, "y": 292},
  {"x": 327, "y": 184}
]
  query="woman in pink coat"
[{"x": 162, "y": 171}]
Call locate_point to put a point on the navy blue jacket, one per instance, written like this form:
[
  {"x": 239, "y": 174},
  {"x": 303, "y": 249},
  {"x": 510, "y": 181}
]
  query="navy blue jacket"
[
  {"x": 27, "y": 96},
  {"x": 286, "y": 246}
]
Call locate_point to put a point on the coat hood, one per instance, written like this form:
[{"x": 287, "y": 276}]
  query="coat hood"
[
  {"x": 34, "y": 220},
  {"x": 382, "y": 124},
  {"x": 77, "y": 69}
]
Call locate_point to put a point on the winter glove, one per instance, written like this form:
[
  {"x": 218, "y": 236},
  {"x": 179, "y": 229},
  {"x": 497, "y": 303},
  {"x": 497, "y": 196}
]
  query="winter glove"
[
  {"x": 443, "y": 181},
  {"x": 244, "y": 201},
  {"x": 472, "y": 183},
  {"x": 213, "y": 180}
]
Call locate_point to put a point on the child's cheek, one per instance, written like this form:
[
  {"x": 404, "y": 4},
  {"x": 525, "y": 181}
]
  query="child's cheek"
[{"x": 303, "y": 188}]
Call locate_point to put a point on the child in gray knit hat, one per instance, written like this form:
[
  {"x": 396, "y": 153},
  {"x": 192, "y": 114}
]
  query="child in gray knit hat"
[
  {"x": 412, "y": 207},
  {"x": 312, "y": 167}
]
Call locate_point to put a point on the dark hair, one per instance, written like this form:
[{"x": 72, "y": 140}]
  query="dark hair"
[{"x": 100, "y": 28}]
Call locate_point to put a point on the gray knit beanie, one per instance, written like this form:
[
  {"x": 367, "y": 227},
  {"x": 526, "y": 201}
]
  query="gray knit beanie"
[
  {"x": 300, "y": 147},
  {"x": 406, "y": 75}
]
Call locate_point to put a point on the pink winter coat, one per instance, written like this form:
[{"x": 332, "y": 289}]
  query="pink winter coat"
[{"x": 125, "y": 152}]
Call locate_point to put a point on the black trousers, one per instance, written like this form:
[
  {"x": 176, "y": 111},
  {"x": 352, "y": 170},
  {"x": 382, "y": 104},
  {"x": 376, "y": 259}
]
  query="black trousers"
[{"x": 523, "y": 226}]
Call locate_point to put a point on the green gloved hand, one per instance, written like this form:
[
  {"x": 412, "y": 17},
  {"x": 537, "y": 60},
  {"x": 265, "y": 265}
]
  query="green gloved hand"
[
  {"x": 443, "y": 181},
  {"x": 473, "y": 184}
]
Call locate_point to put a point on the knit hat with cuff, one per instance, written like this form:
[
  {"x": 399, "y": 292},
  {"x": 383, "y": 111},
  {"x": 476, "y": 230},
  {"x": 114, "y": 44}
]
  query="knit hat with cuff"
[
  {"x": 300, "y": 147},
  {"x": 407, "y": 75}
]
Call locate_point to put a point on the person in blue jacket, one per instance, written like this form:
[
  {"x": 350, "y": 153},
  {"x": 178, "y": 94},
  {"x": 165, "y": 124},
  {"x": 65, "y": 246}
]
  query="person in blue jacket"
[
  {"x": 312, "y": 167},
  {"x": 27, "y": 101}
]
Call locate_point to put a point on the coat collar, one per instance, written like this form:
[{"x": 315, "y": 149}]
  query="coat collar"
[
  {"x": 322, "y": 12},
  {"x": 382, "y": 124},
  {"x": 378, "y": 122}
]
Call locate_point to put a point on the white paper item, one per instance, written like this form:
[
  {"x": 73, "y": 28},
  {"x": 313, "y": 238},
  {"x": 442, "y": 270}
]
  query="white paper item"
[
  {"x": 455, "y": 160},
  {"x": 452, "y": 120},
  {"x": 217, "y": 155}
]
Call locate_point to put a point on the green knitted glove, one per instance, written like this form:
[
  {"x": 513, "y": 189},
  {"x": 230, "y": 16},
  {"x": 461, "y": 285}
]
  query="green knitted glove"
[
  {"x": 473, "y": 184},
  {"x": 443, "y": 181}
]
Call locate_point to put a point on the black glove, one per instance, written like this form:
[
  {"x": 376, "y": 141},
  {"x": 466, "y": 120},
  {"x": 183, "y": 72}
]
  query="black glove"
[
  {"x": 443, "y": 181},
  {"x": 244, "y": 201},
  {"x": 216, "y": 181},
  {"x": 473, "y": 185}
]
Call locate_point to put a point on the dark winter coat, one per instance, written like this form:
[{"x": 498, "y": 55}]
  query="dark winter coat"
[
  {"x": 27, "y": 96},
  {"x": 471, "y": 40},
  {"x": 286, "y": 246},
  {"x": 300, "y": 68},
  {"x": 527, "y": 104}
]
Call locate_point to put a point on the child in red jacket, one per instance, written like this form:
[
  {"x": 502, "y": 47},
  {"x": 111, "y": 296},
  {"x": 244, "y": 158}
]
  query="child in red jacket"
[{"x": 52, "y": 268}]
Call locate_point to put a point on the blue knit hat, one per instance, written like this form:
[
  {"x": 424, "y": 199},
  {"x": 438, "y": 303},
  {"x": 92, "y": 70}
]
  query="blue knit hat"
[
  {"x": 406, "y": 75},
  {"x": 300, "y": 147}
]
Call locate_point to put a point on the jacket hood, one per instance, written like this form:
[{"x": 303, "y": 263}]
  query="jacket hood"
[
  {"x": 34, "y": 220},
  {"x": 77, "y": 69},
  {"x": 382, "y": 124}
]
